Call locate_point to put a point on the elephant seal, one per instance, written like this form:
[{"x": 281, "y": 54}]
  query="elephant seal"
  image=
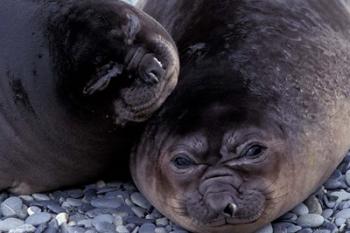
[
  {"x": 261, "y": 114},
  {"x": 76, "y": 78}
]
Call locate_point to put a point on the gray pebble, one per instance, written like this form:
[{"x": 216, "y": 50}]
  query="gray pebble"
[
  {"x": 313, "y": 204},
  {"x": 10, "y": 223},
  {"x": 122, "y": 229},
  {"x": 347, "y": 177},
  {"x": 12, "y": 206},
  {"x": 310, "y": 220},
  {"x": 41, "y": 197},
  {"x": 103, "y": 218},
  {"x": 266, "y": 229},
  {"x": 327, "y": 213},
  {"x": 139, "y": 200},
  {"x": 147, "y": 228},
  {"x": 162, "y": 222},
  {"x": 301, "y": 209},
  {"x": 343, "y": 214},
  {"x": 340, "y": 221},
  {"x": 160, "y": 230},
  {"x": 104, "y": 227},
  {"x": 106, "y": 203},
  {"x": 33, "y": 210},
  {"x": 305, "y": 230},
  {"x": 322, "y": 231},
  {"x": 25, "y": 228},
  {"x": 38, "y": 218}
]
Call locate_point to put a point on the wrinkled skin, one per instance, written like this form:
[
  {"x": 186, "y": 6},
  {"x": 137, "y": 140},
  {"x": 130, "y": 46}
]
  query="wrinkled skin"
[
  {"x": 260, "y": 117},
  {"x": 76, "y": 76}
]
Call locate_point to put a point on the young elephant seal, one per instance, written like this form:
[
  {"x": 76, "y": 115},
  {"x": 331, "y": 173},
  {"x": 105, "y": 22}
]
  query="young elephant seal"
[
  {"x": 260, "y": 117},
  {"x": 75, "y": 75}
]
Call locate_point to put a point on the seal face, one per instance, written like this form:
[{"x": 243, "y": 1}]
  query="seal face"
[
  {"x": 111, "y": 45},
  {"x": 257, "y": 121}
]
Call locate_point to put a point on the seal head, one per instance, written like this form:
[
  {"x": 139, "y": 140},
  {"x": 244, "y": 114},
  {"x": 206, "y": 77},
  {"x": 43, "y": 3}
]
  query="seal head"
[{"x": 112, "y": 51}]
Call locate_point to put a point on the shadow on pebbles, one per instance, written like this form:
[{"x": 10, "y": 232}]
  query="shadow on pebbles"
[{"x": 116, "y": 207}]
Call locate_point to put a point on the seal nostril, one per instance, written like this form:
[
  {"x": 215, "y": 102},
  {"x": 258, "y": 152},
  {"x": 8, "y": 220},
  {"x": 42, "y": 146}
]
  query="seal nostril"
[{"x": 230, "y": 210}]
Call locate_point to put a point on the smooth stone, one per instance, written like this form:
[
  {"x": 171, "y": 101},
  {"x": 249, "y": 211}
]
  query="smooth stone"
[
  {"x": 106, "y": 203},
  {"x": 72, "y": 202},
  {"x": 300, "y": 209},
  {"x": 344, "y": 205},
  {"x": 285, "y": 227},
  {"x": 103, "y": 218},
  {"x": 38, "y": 218},
  {"x": 305, "y": 230},
  {"x": 341, "y": 195},
  {"x": 103, "y": 227},
  {"x": 147, "y": 228},
  {"x": 162, "y": 230},
  {"x": 310, "y": 220},
  {"x": 41, "y": 197},
  {"x": 314, "y": 206},
  {"x": 122, "y": 229},
  {"x": 139, "y": 212},
  {"x": 10, "y": 223},
  {"x": 329, "y": 226},
  {"x": 340, "y": 221},
  {"x": 75, "y": 193},
  {"x": 85, "y": 223},
  {"x": 56, "y": 208},
  {"x": 26, "y": 228},
  {"x": 52, "y": 227},
  {"x": 139, "y": 200},
  {"x": 75, "y": 229},
  {"x": 327, "y": 213},
  {"x": 162, "y": 222},
  {"x": 61, "y": 218},
  {"x": 347, "y": 177},
  {"x": 33, "y": 210},
  {"x": 343, "y": 214},
  {"x": 136, "y": 230},
  {"x": 322, "y": 231},
  {"x": 266, "y": 229},
  {"x": 26, "y": 197},
  {"x": 12, "y": 206}
]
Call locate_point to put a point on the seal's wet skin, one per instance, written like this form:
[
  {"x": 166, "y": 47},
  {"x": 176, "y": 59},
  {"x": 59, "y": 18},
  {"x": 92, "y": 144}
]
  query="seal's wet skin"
[
  {"x": 260, "y": 117},
  {"x": 75, "y": 78}
]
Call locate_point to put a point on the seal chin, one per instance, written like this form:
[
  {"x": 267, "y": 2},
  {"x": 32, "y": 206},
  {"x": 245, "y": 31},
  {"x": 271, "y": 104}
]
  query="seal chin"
[{"x": 220, "y": 209}]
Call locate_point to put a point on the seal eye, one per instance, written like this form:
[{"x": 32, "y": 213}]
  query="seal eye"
[
  {"x": 183, "y": 161},
  {"x": 254, "y": 152}
]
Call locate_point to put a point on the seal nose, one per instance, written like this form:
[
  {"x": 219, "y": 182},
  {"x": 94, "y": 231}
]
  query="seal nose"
[{"x": 230, "y": 210}]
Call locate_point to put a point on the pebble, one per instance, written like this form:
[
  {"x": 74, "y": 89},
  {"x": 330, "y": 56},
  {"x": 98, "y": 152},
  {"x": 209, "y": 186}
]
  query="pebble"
[
  {"x": 61, "y": 218},
  {"x": 313, "y": 204},
  {"x": 25, "y": 228},
  {"x": 38, "y": 218},
  {"x": 10, "y": 223},
  {"x": 41, "y": 197},
  {"x": 347, "y": 177},
  {"x": 147, "y": 228},
  {"x": 122, "y": 229},
  {"x": 106, "y": 203},
  {"x": 12, "y": 206},
  {"x": 301, "y": 209},
  {"x": 33, "y": 210},
  {"x": 310, "y": 220},
  {"x": 343, "y": 214},
  {"x": 267, "y": 229},
  {"x": 139, "y": 200}
]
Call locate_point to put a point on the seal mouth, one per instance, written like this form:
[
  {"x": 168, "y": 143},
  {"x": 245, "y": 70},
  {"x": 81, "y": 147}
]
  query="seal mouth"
[{"x": 151, "y": 98}]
